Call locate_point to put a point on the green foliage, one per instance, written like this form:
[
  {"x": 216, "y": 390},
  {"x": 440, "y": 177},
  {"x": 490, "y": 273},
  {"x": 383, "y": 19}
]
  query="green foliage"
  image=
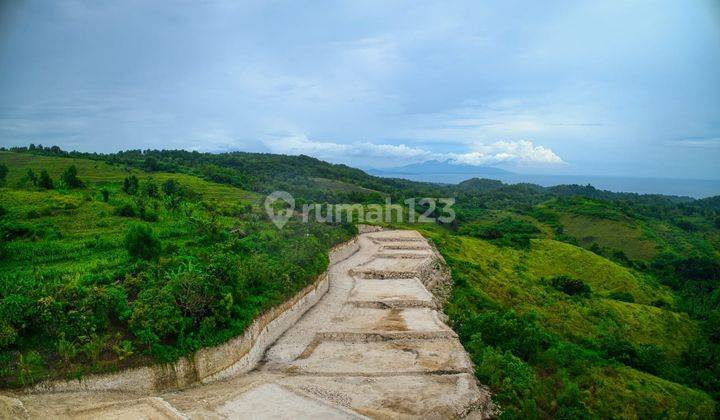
[
  {"x": 150, "y": 188},
  {"x": 3, "y": 174},
  {"x": 131, "y": 185},
  {"x": 622, "y": 296},
  {"x": 141, "y": 242},
  {"x": 76, "y": 297},
  {"x": 171, "y": 187},
  {"x": 570, "y": 286},
  {"x": 30, "y": 179},
  {"x": 126, "y": 209},
  {"x": 506, "y": 231},
  {"x": 548, "y": 356},
  {"x": 44, "y": 181},
  {"x": 70, "y": 178},
  {"x": 105, "y": 195},
  {"x": 151, "y": 164},
  {"x": 72, "y": 293}
]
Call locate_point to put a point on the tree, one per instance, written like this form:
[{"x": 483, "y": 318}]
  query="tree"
[
  {"x": 70, "y": 178},
  {"x": 45, "y": 181},
  {"x": 130, "y": 185},
  {"x": 151, "y": 188},
  {"x": 141, "y": 242},
  {"x": 151, "y": 164},
  {"x": 3, "y": 174},
  {"x": 30, "y": 177},
  {"x": 170, "y": 187}
]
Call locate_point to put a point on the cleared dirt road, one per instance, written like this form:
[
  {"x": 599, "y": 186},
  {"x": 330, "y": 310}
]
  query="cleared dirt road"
[{"x": 374, "y": 346}]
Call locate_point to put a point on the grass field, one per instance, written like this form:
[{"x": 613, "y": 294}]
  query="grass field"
[{"x": 612, "y": 234}]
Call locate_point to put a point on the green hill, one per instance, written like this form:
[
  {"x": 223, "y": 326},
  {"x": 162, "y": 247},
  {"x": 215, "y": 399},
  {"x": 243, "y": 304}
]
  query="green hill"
[
  {"x": 573, "y": 302},
  {"x": 98, "y": 278},
  {"x": 606, "y": 352}
]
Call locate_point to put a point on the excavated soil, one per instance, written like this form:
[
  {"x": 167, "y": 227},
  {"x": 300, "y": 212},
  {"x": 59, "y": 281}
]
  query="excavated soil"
[{"x": 373, "y": 346}]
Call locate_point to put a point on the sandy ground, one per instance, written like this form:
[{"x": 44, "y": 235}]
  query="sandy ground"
[{"x": 373, "y": 346}]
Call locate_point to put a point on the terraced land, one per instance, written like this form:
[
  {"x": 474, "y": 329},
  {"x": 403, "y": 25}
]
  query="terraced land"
[{"x": 374, "y": 346}]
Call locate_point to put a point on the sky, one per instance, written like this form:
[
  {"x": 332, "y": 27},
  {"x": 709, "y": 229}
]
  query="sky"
[{"x": 613, "y": 88}]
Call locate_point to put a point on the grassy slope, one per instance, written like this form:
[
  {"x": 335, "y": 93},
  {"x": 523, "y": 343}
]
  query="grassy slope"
[
  {"x": 613, "y": 234},
  {"x": 101, "y": 173},
  {"x": 76, "y": 249},
  {"x": 331, "y": 184},
  {"x": 513, "y": 279},
  {"x": 85, "y": 235}
]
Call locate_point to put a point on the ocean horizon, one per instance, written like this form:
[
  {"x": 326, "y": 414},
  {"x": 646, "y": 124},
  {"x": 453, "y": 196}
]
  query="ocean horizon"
[{"x": 695, "y": 188}]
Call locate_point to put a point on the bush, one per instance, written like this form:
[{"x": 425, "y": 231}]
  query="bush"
[
  {"x": 130, "y": 185},
  {"x": 622, "y": 296},
  {"x": 142, "y": 243},
  {"x": 510, "y": 379},
  {"x": 44, "y": 181},
  {"x": 70, "y": 178},
  {"x": 150, "y": 188},
  {"x": 126, "y": 210},
  {"x": 10, "y": 231},
  {"x": 570, "y": 286},
  {"x": 105, "y": 195},
  {"x": 171, "y": 187},
  {"x": 29, "y": 179},
  {"x": 3, "y": 174},
  {"x": 151, "y": 164}
]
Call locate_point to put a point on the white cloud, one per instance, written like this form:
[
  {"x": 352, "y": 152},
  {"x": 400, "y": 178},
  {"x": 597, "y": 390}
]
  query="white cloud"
[
  {"x": 696, "y": 142},
  {"x": 521, "y": 153}
]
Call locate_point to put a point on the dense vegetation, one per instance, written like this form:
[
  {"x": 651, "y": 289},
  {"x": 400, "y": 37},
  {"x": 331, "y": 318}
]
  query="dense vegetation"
[
  {"x": 573, "y": 302},
  {"x": 109, "y": 268}
]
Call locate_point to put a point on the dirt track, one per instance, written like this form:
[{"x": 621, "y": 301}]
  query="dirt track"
[{"x": 373, "y": 346}]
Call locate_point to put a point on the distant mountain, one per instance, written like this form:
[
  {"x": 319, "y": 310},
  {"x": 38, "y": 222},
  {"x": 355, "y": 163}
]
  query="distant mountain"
[{"x": 440, "y": 168}]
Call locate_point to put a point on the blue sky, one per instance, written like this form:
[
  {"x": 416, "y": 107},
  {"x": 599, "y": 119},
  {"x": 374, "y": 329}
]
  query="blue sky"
[{"x": 577, "y": 87}]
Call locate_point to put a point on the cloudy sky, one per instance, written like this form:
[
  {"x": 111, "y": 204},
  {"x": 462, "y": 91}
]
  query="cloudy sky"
[{"x": 576, "y": 87}]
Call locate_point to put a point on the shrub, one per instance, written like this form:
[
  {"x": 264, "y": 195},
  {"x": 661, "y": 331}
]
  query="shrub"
[
  {"x": 518, "y": 334},
  {"x": 622, "y": 296},
  {"x": 649, "y": 358},
  {"x": 10, "y": 231},
  {"x": 29, "y": 178},
  {"x": 142, "y": 243},
  {"x": 151, "y": 164},
  {"x": 130, "y": 185},
  {"x": 30, "y": 367},
  {"x": 44, "y": 181},
  {"x": 569, "y": 285},
  {"x": 171, "y": 187},
  {"x": 105, "y": 195},
  {"x": 126, "y": 210},
  {"x": 149, "y": 215},
  {"x": 510, "y": 378},
  {"x": 151, "y": 188},
  {"x": 70, "y": 178},
  {"x": 3, "y": 173}
]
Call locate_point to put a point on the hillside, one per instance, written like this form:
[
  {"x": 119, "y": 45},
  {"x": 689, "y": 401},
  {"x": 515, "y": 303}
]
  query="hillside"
[
  {"x": 101, "y": 277},
  {"x": 570, "y": 299},
  {"x": 547, "y": 351}
]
